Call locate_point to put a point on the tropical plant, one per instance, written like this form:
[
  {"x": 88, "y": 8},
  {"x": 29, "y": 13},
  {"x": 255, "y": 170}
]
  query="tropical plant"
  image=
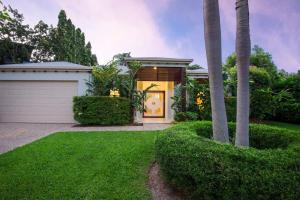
[
  {"x": 212, "y": 32},
  {"x": 104, "y": 78},
  {"x": 243, "y": 50},
  {"x": 136, "y": 97}
]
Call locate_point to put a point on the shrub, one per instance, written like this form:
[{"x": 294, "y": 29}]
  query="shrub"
[
  {"x": 205, "y": 169},
  {"x": 101, "y": 110},
  {"x": 261, "y": 104},
  {"x": 186, "y": 116},
  {"x": 230, "y": 104},
  {"x": 288, "y": 112}
]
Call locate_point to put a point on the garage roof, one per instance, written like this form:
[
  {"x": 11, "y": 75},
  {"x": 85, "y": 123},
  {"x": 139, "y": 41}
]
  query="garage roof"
[{"x": 46, "y": 66}]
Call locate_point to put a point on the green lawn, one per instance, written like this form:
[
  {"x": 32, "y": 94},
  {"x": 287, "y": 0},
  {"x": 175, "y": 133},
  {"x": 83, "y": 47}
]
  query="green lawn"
[
  {"x": 82, "y": 165},
  {"x": 294, "y": 127}
]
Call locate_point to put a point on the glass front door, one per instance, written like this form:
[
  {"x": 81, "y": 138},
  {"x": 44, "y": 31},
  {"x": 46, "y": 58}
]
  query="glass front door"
[{"x": 154, "y": 104}]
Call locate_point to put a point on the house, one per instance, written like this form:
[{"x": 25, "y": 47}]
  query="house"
[
  {"x": 43, "y": 92},
  {"x": 166, "y": 74}
]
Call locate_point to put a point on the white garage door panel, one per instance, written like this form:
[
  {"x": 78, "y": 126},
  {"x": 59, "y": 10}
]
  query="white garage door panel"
[{"x": 37, "y": 101}]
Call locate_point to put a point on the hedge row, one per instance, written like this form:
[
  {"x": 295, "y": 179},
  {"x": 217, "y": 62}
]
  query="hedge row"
[
  {"x": 99, "y": 110},
  {"x": 205, "y": 169},
  {"x": 288, "y": 112}
]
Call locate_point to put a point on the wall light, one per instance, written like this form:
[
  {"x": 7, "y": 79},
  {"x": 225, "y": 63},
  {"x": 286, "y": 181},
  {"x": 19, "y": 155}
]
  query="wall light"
[{"x": 155, "y": 68}]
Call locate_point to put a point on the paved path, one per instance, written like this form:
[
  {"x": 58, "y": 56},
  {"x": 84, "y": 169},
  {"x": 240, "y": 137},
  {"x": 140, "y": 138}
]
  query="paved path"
[{"x": 13, "y": 135}]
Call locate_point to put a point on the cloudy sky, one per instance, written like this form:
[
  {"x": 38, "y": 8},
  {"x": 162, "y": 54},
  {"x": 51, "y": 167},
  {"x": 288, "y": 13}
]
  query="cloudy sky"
[{"x": 172, "y": 28}]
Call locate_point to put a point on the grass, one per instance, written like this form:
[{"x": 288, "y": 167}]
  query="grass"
[
  {"x": 294, "y": 127},
  {"x": 82, "y": 165}
]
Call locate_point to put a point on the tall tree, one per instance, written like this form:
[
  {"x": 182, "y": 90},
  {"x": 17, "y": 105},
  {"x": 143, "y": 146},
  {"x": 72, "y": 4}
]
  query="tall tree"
[
  {"x": 60, "y": 37},
  {"x": 69, "y": 43},
  {"x": 243, "y": 50},
  {"x": 212, "y": 30}
]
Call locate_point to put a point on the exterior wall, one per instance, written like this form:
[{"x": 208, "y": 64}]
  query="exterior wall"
[
  {"x": 80, "y": 77},
  {"x": 168, "y": 87}
]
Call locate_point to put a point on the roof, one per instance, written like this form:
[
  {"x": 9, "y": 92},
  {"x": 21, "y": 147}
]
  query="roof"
[
  {"x": 160, "y": 62},
  {"x": 53, "y": 66},
  {"x": 197, "y": 73}
]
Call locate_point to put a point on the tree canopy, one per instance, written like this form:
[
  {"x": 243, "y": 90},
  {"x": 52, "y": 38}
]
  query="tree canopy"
[{"x": 20, "y": 42}]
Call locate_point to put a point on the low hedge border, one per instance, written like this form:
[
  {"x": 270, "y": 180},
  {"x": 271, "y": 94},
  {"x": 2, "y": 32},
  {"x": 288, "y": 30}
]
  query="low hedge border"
[
  {"x": 98, "y": 110},
  {"x": 206, "y": 169}
]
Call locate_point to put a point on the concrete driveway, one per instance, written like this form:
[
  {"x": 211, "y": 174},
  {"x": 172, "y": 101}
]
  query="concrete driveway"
[{"x": 13, "y": 135}]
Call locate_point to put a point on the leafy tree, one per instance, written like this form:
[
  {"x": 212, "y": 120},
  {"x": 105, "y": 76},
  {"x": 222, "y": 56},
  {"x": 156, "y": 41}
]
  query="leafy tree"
[
  {"x": 194, "y": 66},
  {"x": 120, "y": 58},
  {"x": 259, "y": 58},
  {"x": 15, "y": 38},
  {"x": 3, "y": 14},
  {"x": 42, "y": 43},
  {"x": 212, "y": 30},
  {"x": 263, "y": 59}
]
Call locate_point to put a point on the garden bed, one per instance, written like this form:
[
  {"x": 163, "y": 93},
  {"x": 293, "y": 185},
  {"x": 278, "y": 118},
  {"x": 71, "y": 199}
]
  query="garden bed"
[{"x": 205, "y": 169}]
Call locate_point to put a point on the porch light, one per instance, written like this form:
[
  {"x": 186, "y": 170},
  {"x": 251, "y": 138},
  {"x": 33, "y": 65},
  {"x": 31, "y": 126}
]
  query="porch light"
[{"x": 155, "y": 68}]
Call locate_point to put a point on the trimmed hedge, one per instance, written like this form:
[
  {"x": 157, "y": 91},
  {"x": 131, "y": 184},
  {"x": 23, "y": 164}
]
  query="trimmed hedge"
[
  {"x": 97, "y": 110},
  {"x": 205, "y": 169},
  {"x": 186, "y": 116},
  {"x": 288, "y": 112}
]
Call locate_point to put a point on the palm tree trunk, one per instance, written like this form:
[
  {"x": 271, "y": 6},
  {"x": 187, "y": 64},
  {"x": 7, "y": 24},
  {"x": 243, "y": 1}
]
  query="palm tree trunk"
[
  {"x": 212, "y": 32},
  {"x": 243, "y": 50}
]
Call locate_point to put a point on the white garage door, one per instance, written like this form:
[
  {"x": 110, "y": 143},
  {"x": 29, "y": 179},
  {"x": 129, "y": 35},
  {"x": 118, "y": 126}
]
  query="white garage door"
[{"x": 37, "y": 101}]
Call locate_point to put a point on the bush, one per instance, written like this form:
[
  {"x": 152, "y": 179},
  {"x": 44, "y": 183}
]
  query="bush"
[
  {"x": 205, "y": 169},
  {"x": 186, "y": 116},
  {"x": 101, "y": 110},
  {"x": 262, "y": 104},
  {"x": 230, "y": 104},
  {"x": 288, "y": 112}
]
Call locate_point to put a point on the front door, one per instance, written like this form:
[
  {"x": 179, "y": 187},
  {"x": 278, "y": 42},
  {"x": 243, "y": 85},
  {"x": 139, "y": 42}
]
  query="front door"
[{"x": 154, "y": 104}]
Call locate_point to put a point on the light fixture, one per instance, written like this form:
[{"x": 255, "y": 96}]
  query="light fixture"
[{"x": 155, "y": 68}]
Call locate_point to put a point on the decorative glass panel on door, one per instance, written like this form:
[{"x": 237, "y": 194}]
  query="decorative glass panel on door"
[{"x": 154, "y": 104}]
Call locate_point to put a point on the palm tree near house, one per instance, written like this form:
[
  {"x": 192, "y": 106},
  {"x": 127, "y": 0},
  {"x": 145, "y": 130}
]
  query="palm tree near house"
[
  {"x": 212, "y": 33},
  {"x": 243, "y": 50}
]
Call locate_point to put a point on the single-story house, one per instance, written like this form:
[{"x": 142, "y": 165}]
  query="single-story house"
[{"x": 43, "y": 92}]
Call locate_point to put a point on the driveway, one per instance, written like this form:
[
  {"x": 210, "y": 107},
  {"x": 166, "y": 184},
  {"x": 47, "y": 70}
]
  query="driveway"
[{"x": 13, "y": 135}]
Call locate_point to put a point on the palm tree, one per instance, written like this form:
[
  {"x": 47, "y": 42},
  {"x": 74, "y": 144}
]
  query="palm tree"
[
  {"x": 212, "y": 32},
  {"x": 243, "y": 50}
]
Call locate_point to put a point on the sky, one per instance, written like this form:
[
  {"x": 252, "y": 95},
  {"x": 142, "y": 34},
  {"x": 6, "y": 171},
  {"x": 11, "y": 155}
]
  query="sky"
[{"x": 172, "y": 28}]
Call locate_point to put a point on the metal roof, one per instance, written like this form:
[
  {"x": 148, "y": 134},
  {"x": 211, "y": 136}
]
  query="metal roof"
[
  {"x": 160, "y": 62},
  {"x": 56, "y": 66},
  {"x": 197, "y": 73}
]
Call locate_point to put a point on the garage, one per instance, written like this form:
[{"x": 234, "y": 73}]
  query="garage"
[{"x": 41, "y": 92}]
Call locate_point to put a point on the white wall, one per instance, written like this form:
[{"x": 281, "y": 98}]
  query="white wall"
[{"x": 81, "y": 77}]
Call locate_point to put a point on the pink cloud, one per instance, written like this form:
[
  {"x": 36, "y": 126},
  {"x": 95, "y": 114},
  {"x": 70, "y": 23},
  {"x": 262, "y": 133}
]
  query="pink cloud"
[{"x": 282, "y": 42}]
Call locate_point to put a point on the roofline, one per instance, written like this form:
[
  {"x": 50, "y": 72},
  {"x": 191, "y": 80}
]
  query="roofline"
[
  {"x": 40, "y": 69},
  {"x": 44, "y": 68},
  {"x": 159, "y": 59}
]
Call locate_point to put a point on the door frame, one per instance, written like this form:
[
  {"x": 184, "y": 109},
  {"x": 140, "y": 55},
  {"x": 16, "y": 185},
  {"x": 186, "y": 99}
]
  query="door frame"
[{"x": 164, "y": 103}]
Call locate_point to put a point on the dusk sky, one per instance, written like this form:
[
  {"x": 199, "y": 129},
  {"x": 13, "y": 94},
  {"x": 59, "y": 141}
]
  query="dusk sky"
[{"x": 172, "y": 28}]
